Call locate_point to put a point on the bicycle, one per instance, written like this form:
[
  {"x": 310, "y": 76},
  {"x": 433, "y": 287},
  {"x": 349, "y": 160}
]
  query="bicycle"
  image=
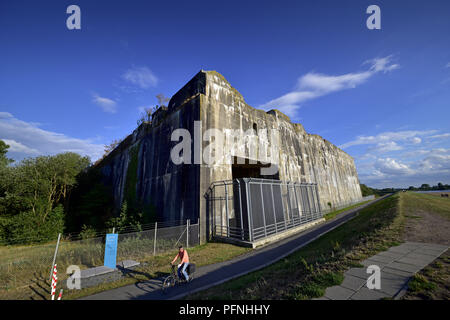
[{"x": 173, "y": 279}]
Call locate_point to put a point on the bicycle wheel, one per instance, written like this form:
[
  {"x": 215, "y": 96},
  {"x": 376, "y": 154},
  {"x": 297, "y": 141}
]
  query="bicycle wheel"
[{"x": 168, "y": 283}]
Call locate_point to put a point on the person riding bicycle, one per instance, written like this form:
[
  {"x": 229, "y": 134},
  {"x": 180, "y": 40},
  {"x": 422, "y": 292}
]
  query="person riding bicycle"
[{"x": 183, "y": 255}]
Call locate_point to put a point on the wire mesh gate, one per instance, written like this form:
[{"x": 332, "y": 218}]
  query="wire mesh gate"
[{"x": 250, "y": 209}]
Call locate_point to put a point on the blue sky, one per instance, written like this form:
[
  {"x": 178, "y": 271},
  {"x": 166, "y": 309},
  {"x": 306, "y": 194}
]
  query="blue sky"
[{"x": 383, "y": 96}]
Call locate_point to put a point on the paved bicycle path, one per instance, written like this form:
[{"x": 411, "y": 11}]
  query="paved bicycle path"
[{"x": 214, "y": 274}]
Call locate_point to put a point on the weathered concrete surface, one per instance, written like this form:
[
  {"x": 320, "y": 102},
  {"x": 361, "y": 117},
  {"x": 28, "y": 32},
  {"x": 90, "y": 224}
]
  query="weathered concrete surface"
[{"x": 141, "y": 169}]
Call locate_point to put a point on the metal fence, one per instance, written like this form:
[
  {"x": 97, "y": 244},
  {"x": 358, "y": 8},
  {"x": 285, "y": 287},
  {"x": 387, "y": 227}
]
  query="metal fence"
[
  {"x": 23, "y": 266},
  {"x": 251, "y": 209}
]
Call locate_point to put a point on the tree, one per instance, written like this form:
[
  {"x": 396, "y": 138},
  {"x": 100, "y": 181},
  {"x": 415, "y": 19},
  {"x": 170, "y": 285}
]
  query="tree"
[
  {"x": 4, "y": 161},
  {"x": 36, "y": 189},
  {"x": 425, "y": 186}
]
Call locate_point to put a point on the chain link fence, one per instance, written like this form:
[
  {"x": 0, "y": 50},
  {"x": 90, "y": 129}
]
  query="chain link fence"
[{"x": 23, "y": 266}]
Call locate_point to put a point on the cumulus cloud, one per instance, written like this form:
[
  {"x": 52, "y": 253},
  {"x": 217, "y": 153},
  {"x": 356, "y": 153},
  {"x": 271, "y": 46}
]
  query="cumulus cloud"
[
  {"x": 313, "y": 85},
  {"x": 106, "y": 104},
  {"x": 386, "y": 137},
  {"x": 27, "y": 139},
  {"x": 384, "y": 147},
  {"x": 392, "y": 167},
  {"x": 143, "y": 77}
]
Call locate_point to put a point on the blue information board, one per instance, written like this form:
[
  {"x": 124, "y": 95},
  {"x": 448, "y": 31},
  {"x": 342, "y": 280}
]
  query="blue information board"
[{"x": 111, "y": 250}]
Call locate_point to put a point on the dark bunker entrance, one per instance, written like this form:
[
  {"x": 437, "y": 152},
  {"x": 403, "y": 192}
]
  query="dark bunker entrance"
[{"x": 246, "y": 168}]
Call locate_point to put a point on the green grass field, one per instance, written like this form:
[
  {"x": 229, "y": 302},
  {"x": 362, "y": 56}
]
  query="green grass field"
[{"x": 433, "y": 203}]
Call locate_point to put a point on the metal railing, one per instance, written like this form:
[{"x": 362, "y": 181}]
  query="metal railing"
[{"x": 251, "y": 209}]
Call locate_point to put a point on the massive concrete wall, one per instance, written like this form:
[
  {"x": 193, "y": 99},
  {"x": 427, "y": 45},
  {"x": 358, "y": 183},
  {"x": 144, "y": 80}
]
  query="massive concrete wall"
[
  {"x": 141, "y": 168},
  {"x": 302, "y": 157}
]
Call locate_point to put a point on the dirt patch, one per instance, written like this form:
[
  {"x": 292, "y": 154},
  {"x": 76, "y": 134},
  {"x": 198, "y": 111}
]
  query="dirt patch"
[{"x": 422, "y": 226}]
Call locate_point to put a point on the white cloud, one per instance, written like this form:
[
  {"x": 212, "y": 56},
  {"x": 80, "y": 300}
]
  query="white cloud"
[
  {"x": 106, "y": 104},
  {"x": 441, "y": 136},
  {"x": 416, "y": 140},
  {"x": 423, "y": 160},
  {"x": 384, "y": 147},
  {"x": 313, "y": 85},
  {"x": 15, "y": 146},
  {"x": 141, "y": 76},
  {"x": 447, "y": 65},
  {"x": 27, "y": 139},
  {"x": 392, "y": 167},
  {"x": 386, "y": 137}
]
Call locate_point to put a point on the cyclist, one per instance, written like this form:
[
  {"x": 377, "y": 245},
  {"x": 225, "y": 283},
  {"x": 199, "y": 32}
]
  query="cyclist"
[{"x": 183, "y": 255}]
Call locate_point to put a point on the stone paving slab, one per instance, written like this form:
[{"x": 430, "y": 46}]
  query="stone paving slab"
[
  {"x": 397, "y": 272},
  {"x": 369, "y": 262},
  {"x": 338, "y": 293},
  {"x": 383, "y": 258},
  {"x": 366, "y": 294},
  {"x": 397, "y": 265},
  {"x": 415, "y": 261},
  {"x": 357, "y": 272},
  {"x": 353, "y": 283},
  {"x": 391, "y": 254}
]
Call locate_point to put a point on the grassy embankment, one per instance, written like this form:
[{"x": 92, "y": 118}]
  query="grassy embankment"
[{"x": 308, "y": 272}]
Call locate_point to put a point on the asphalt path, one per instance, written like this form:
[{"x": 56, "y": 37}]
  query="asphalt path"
[{"x": 214, "y": 274}]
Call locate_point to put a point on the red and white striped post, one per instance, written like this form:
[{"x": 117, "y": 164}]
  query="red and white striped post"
[
  {"x": 60, "y": 294},
  {"x": 54, "y": 281}
]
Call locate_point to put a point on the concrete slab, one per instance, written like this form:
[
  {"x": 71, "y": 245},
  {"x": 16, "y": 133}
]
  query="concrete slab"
[
  {"x": 397, "y": 272},
  {"x": 91, "y": 272},
  {"x": 358, "y": 272},
  {"x": 402, "y": 249},
  {"x": 391, "y": 287},
  {"x": 435, "y": 246},
  {"x": 353, "y": 283},
  {"x": 367, "y": 294},
  {"x": 404, "y": 267},
  {"x": 414, "y": 261},
  {"x": 421, "y": 256},
  {"x": 430, "y": 251},
  {"x": 391, "y": 254},
  {"x": 384, "y": 259},
  {"x": 128, "y": 264},
  {"x": 338, "y": 293},
  {"x": 369, "y": 262}
]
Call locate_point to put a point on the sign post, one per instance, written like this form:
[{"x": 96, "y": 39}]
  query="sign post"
[{"x": 111, "y": 250}]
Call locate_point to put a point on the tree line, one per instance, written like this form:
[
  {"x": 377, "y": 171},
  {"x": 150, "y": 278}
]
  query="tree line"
[{"x": 367, "y": 191}]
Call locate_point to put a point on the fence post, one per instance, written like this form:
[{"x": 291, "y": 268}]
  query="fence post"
[
  {"x": 273, "y": 206},
  {"x": 240, "y": 209},
  {"x": 54, "y": 256},
  {"x": 263, "y": 211},
  {"x": 249, "y": 209},
  {"x": 226, "y": 209},
  {"x": 154, "y": 241},
  {"x": 187, "y": 233}
]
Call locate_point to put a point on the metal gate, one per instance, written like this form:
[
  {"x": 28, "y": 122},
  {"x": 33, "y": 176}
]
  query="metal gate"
[{"x": 250, "y": 209}]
